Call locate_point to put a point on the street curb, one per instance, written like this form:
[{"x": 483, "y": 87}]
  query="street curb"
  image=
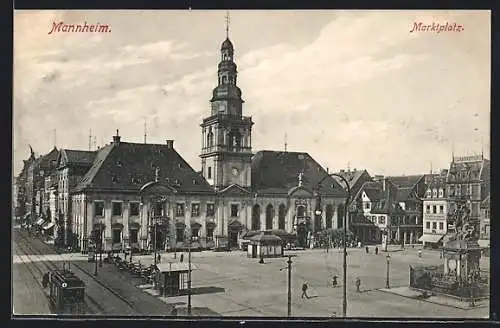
[{"x": 433, "y": 302}]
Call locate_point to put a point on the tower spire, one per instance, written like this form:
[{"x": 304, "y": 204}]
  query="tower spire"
[
  {"x": 286, "y": 144},
  {"x": 55, "y": 138},
  {"x": 145, "y": 131},
  {"x": 227, "y": 24}
]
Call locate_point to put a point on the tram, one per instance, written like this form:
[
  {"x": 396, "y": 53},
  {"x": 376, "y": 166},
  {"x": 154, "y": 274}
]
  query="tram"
[{"x": 66, "y": 292}]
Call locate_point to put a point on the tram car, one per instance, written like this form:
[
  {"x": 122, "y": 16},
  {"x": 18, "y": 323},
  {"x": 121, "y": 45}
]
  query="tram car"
[{"x": 66, "y": 292}]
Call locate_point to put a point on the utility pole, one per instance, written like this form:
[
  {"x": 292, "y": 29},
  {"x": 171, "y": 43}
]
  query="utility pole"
[
  {"x": 289, "y": 285},
  {"x": 189, "y": 273}
]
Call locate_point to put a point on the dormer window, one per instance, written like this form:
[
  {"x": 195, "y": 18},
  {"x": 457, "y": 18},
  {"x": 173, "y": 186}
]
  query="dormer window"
[
  {"x": 434, "y": 193},
  {"x": 441, "y": 193},
  {"x": 179, "y": 165},
  {"x": 119, "y": 163},
  {"x": 428, "y": 194},
  {"x": 195, "y": 182},
  {"x": 114, "y": 179}
]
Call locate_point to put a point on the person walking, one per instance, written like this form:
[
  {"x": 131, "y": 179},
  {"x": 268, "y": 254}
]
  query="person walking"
[
  {"x": 367, "y": 250},
  {"x": 158, "y": 258},
  {"x": 182, "y": 258},
  {"x": 304, "y": 290},
  {"x": 376, "y": 250},
  {"x": 45, "y": 279},
  {"x": 358, "y": 284},
  {"x": 334, "y": 281}
]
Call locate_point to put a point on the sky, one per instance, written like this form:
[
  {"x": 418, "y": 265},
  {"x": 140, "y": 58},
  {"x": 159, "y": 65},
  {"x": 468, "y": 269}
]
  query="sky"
[{"x": 354, "y": 89}]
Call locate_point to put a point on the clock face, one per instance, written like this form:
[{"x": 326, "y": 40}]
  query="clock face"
[{"x": 235, "y": 171}]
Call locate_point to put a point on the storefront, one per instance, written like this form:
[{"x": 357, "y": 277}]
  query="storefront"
[{"x": 431, "y": 240}]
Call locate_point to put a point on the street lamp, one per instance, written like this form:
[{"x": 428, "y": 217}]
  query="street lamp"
[
  {"x": 289, "y": 268},
  {"x": 388, "y": 258},
  {"x": 95, "y": 253},
  {"x": 346, "y": 207},
  {"x": 100, "y": 245},
  {"x": 189, "y": 236}
]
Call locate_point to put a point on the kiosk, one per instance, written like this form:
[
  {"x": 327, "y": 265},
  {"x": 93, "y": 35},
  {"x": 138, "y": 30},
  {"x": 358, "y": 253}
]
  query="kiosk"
[
  {"x": 171, "y": 278},
  {"x": 265, "y": 245}
]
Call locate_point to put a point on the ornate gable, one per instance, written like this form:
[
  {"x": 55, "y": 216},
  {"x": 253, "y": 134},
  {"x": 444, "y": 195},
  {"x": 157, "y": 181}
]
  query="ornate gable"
[
  {"x": 300, "y": 191},
  {"x": 235, "y": 190}
]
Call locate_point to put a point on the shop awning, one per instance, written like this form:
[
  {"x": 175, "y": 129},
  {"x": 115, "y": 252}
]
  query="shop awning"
[
  {"x": 431, "y": 238},
  {"x": 40, "y": 221},
  {"x": 484, "y": 243},
  {"x": 48, "y": 225}
]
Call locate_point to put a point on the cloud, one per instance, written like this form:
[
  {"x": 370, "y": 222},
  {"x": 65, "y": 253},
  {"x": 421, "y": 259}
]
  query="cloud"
[{"x": 359, "y": 88}]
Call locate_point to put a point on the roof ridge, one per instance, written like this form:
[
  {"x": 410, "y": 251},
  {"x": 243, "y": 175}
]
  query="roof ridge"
[{"x": 95, "y": 167}]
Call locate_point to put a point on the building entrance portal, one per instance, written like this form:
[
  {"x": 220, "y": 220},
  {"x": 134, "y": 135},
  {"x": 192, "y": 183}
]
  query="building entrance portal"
[{"x": 234, "y": 230}]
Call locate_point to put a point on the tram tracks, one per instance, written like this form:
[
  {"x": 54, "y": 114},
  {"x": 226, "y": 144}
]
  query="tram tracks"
[{"x": 95, "y": 306}]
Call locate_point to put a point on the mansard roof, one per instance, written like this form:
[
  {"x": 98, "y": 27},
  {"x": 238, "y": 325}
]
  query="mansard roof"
[
  {"x": 76, "y": 157},
  {"x": 124, "y": 166},
  {"x": 352, "y": 177},
  {"x": 277, "y": 172},
  {"x": 406, "y": 181}
]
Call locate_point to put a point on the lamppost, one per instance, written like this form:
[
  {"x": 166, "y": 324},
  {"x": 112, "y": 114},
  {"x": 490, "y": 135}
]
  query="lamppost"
[
  {"x": 100, "y": 245},
  {"x": 344, "y": 257},
  {"x": 289, "y": 295},
  {"x": 388, "y": 258},
  {"x": 95, "y": 253},
  {"x": 189, "y": 236}
]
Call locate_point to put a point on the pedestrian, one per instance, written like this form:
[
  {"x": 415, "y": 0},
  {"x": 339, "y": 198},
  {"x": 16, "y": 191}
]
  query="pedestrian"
[
  {"x": 182, "y": 258},
  {"x": 334, "y": 281},
  {"x": 358, "y": 284},
  {"x": 367, "y": 250},
  {"x": 174, "y": 312},
  {"x": 261, "y": 261},
  {"x": 376, "y": 250},
  {"x": 304, "y": 290},
  {"x": 158, "y": 258},
  {"x": 45, "y": 279},
  {"x": 419, "y": 253}
]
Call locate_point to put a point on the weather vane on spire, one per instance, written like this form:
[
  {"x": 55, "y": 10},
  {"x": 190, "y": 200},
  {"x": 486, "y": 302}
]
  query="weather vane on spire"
[{"x": 227, "y": 24}]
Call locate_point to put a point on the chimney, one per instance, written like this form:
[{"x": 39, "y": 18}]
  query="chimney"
[
  {"x": 116, "y": 139},
  {"x": 170, "y": 144}
]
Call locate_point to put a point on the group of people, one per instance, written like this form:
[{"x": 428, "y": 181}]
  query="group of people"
[{"x": 305, "y": 286}]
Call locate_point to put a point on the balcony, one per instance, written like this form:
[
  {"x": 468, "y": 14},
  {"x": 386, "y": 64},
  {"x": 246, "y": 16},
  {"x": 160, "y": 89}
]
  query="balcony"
[{"x": 227, "y": 148}]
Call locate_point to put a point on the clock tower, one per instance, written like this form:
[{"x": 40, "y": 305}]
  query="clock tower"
[{"x": 226, "y": 150}]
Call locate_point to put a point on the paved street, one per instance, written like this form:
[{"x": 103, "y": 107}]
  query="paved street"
[
  {"x": 230, "y": 284},
  {"x": 242, "y": 287},
  {"x": 106, "y": 294}
]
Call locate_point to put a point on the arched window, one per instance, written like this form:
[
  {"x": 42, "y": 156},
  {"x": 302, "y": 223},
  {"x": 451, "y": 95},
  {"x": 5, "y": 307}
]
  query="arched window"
[
  {"x": 224, "y": 79},
  {"x": 269, "y": 216},
  {"x": 281, "y": 217},
  {"x": 256, "y": 217},
  {"x": 340, "y": 216},
  {"x": 301, "y": 211},
  {"x": 329, "y": 216},
  {"x": 210, "y": 138}
]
